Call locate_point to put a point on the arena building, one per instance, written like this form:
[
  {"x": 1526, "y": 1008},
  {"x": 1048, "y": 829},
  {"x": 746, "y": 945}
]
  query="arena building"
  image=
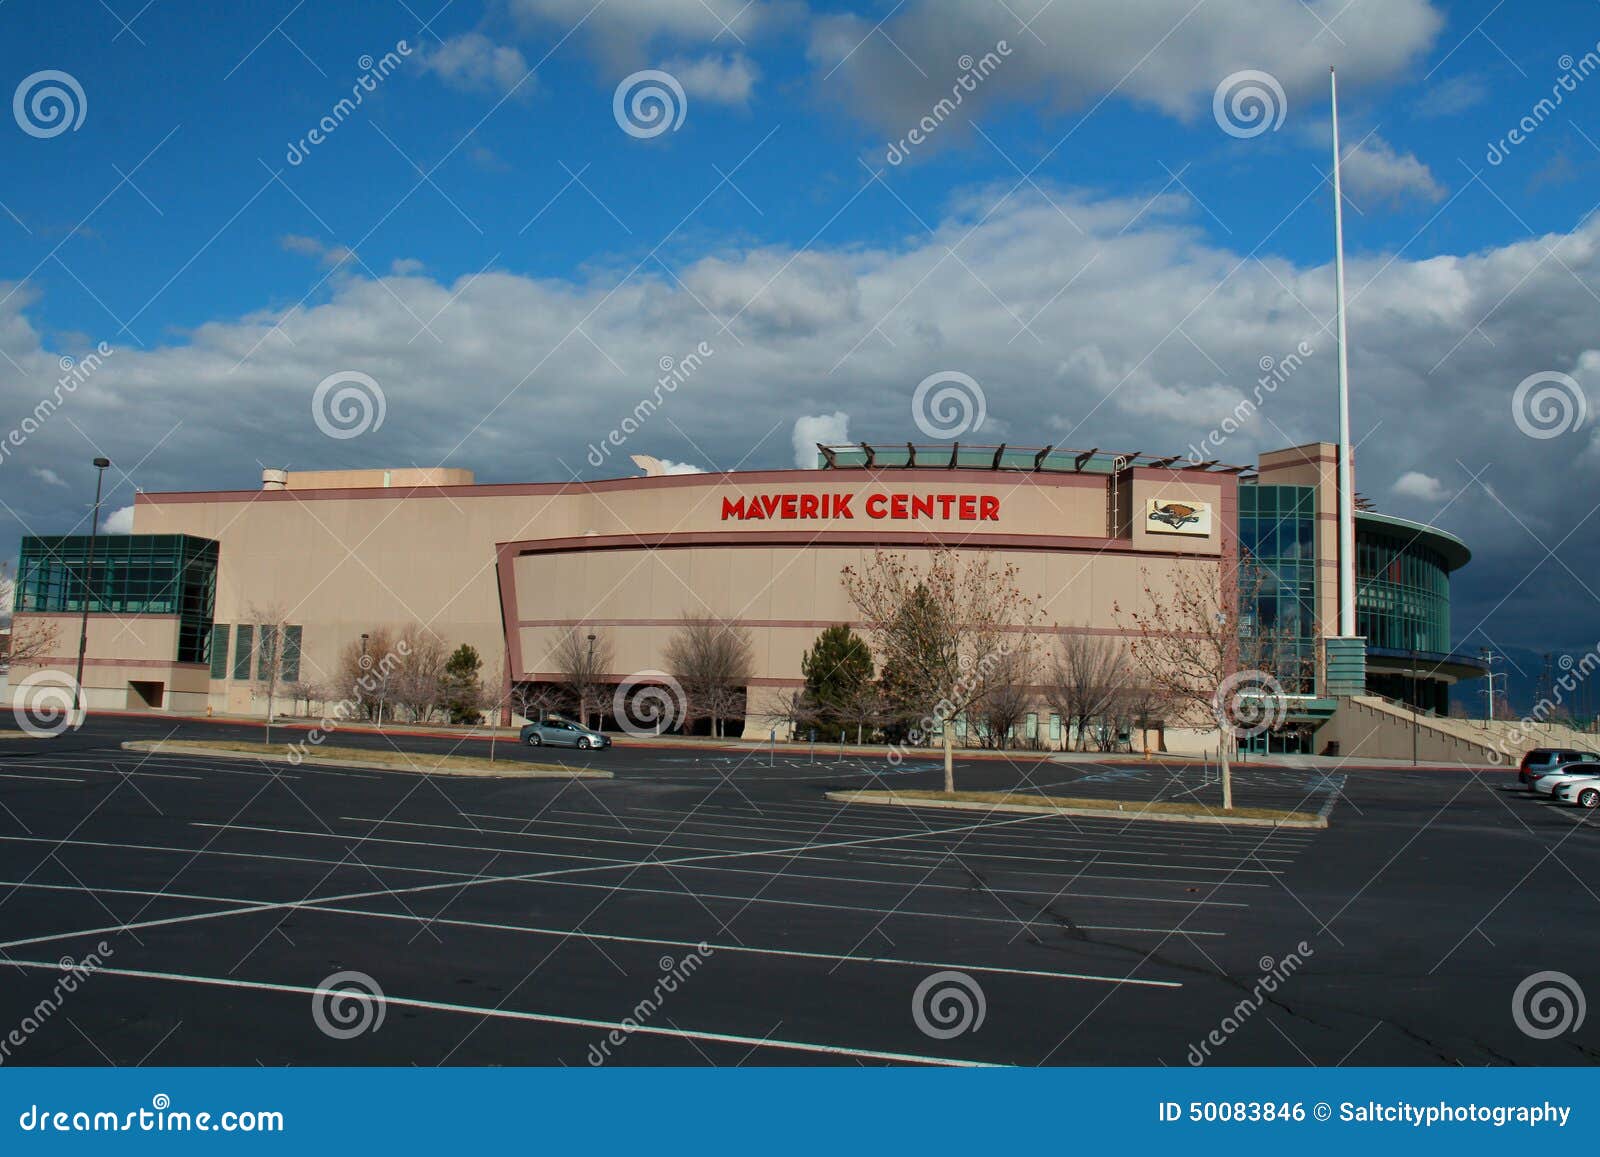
[{"x": 176, "y": 607}]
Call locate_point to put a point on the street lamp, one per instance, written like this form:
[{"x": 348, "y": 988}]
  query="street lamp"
[
  {"x": 100, "y": 465},
  {"x": 590, "y": 682}
]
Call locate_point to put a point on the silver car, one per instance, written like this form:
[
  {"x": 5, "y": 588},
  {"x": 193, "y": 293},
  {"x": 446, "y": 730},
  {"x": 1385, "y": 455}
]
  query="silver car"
[{"x": 558, "y": 732}]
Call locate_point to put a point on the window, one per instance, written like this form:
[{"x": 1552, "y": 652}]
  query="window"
[
  {"x": 291, "y": 654},
  {"x": 219, "y": 651},
  {"x": 267, "y": 652},
  {"x": 243, "y": 640}
]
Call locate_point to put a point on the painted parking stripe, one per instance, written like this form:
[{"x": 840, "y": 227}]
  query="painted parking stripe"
[
  {"x": 789, "y": 851},
  {"x": 518, "y": 1015},
  {"x": 612, "y": 938},
  {"x": 474, "y": 882}
]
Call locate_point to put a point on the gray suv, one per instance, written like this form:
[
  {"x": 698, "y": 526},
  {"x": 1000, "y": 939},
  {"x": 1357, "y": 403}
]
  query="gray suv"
[{"x": 557, "y": 732}]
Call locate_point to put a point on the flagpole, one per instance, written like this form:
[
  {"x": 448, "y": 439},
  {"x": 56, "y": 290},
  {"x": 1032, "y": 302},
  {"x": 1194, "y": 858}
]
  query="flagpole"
[{"x": 1347, "y": 522}]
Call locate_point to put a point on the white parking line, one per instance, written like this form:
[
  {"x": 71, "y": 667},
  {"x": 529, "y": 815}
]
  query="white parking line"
[
  {"x": 611, "y": 938},
  {"x": 462, "y": 886},
  {"x": 517, "y": 1015}
]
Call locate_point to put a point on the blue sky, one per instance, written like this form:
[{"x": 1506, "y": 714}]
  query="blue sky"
[{"x": 1082, "y": 236}]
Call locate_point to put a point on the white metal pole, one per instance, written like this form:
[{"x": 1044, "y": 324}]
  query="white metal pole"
[{"x": 1347, "y": 522}]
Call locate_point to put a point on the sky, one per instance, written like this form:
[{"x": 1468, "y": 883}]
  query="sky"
[{"x": 407, "y": 232}]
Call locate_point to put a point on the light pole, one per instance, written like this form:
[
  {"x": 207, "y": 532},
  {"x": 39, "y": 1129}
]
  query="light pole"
[
  {"x": 589, "y": 683},
  {"x": 100, "y": 465}
]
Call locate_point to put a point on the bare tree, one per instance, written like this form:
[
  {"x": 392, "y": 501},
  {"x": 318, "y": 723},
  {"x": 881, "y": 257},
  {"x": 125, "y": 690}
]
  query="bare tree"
[
  {"x": 941, "y": 629},
  {"x": 583, "y": 657},
  {"x": 712, "y": 661},
  {"x": 795, "y": 709},
  {"x": 1086, "y": 677},
  {"x": 1009, "y": 695},
  {"x": 369, "y": 668},
  {"x": 272, "y": 628},
  {"x": 418, "y": 685},
  {"x": 863, "y": 706},
  {"x": 1188, "y": 644},
  {"x": 533, "y": 701}
]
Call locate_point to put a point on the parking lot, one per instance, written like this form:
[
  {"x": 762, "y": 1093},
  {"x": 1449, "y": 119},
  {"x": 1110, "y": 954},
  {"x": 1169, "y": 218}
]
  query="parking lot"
[{"x": 715, "y": 908}]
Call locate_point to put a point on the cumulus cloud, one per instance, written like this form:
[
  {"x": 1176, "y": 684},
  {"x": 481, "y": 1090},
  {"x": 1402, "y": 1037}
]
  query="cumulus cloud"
[
  {"x": 671, "y": 467},
  {"x": 516, "y": 374},
  {"x": 329, "y": 255},
  {"x": 718, "y": 79},
  {"x": 119, "y": 521},
  {"x": 1416, "y": 484},
  {"x": 47, "y": 476},
  {"x": 827, "y": 429},
  {"x": 1375, "y": 172},
  {"x": 1072, "y": 54},
  {"x": 474, "y": 63}
]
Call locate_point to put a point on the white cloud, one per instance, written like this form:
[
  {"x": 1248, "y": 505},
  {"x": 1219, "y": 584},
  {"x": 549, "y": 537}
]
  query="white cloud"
[
  {"x": 828, "y": 429},
  {"x": 512, "y": 391},
  {"x": 1423, "y": 487},
  {"x": 671, "y": 467},
  {"x": 47, "y": 476},
  {"x": 718, "y": 79},
  {"x": 475, "y": 63},
  {"x": 1168, "y": 54},
  {"x": 329, "y": 255},
  {"x": 119, "y": 521},
  {"x": 1373, "y": 172},
  {"x": 1449, "y": 97}
]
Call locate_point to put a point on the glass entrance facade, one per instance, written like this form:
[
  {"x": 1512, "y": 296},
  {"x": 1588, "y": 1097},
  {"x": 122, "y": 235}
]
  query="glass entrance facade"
[{"x": 134, "y": 574}]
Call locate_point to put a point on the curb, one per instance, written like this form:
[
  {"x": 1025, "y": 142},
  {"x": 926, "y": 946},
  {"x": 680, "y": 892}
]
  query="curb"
[
  {"x": 155, "y": 745},
  {"x": 1102, "y": 813}
]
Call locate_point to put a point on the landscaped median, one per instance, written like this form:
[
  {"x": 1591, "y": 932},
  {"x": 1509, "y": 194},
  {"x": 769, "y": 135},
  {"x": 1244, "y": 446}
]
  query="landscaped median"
[
  {"x": 1126, "y": 809},
  {"x": 416, "y": 762}
]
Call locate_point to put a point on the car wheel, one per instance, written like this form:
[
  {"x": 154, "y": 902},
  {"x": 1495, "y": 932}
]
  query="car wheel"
[
  {"x": 585, "y": 743},
  {"x": 534, "y": 740},
  {"x": 1589, "y": 798}
]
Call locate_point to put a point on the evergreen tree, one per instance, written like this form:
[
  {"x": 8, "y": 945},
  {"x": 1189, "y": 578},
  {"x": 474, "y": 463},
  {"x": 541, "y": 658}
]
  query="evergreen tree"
[
  {"x": 836, "y": 669},
  {"x": 463, "y": 694}
]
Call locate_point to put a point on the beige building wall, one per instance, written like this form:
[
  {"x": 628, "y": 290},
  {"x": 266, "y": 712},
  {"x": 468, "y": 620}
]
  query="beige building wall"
[{"x": 632, "y": 556}]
